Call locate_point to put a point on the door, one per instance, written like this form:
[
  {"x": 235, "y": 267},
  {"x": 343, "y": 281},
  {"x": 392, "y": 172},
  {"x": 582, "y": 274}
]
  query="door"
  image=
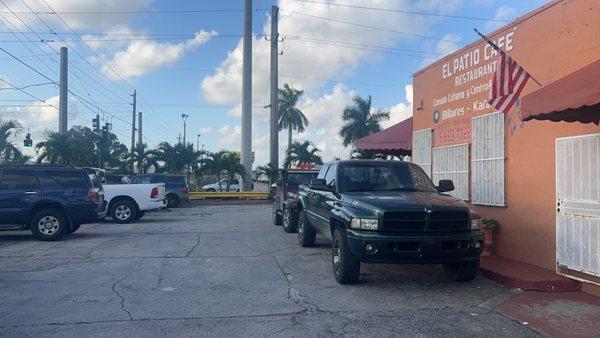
[
  {"x": 578, "y": 205},
  {"x": 325, "y": 200},
  {"x": 18, "y": 190},
  {"x": 312, "y": 198}
]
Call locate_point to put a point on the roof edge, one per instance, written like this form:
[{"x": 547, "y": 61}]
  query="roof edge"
[{"x": 518, "y": 20}]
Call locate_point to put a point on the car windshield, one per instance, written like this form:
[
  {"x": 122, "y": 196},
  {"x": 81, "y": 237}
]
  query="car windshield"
[
  {"x": 384, "y": 177},
  {"x": 297, "y": 179}
]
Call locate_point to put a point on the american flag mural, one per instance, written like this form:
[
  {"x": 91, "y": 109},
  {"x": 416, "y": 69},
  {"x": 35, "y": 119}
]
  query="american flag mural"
[{"x": 509, "y": 80}]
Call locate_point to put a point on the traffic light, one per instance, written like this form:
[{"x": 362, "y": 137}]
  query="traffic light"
[
  {"x": 105, "y": 129},
  {"x": 96, "y": 123},
  {"x": 27, "y": 142}
]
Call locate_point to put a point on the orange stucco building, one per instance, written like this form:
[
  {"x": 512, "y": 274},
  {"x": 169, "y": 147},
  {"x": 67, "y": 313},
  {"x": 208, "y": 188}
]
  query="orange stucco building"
[{"x": 516, "y": 172}]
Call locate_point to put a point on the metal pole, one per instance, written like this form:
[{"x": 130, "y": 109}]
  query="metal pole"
[
  {"x": 133, "y": 127},
  {"x": 64, "y": 88},
  {"x": 274, "y": 117},
  {"x": 184, "y": 118},
  {"x": 198, "y": 143},
  {"x": 246, "y": 150},
  {"x": 140, "y": 135}
]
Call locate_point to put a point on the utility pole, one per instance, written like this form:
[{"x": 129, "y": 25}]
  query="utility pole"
[
  {"x": 246, "y": 143},
  {"x": 179, "y": 138},
  {"x": 133, "y": 128},
  {"x": 274, "y": 116},
  {"x": 140, "y": 129},
  {"x": 184, "y": 118},
  {"x": 63, "y": 101},
  {"x": 198, "y": 143}
]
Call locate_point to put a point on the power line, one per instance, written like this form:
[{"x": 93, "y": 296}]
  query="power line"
[
  {"x": 403, "y": 11},
  {"x": 366, "y": 26},
  {"x": 179, "y": 11},
  {"x": 88, "y": 46},
  {"x": 204, "y": 70},
  {"x": 309, "y": 39},
  {"x": 376, "y": 50}
]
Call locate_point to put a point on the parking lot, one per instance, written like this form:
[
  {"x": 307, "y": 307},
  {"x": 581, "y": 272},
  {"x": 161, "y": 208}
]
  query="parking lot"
[{"x": 225, "y": 271}]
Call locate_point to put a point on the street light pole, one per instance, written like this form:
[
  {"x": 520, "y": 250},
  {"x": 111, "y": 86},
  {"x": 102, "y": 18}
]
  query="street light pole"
[
  {"x": 184, "y": 117},
  {"x": 198, "y": 143}
]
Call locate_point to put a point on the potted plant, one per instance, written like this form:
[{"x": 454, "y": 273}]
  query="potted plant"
[{"x": 488, "y": 226}]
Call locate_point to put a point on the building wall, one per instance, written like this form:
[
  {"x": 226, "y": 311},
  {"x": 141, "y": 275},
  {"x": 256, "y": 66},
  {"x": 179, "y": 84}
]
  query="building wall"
[{"x": 549, "y": 43}]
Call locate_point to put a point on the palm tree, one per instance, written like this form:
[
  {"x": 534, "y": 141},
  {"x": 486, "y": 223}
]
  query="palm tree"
[
  {"x": 231, "y": 162},
  {"x": 143, "y": 156},
  {"x": 360, "y": 121},
  {"x": 304, "y": 152},
  {"x": 290, "y": 117},
  {"x": 57, "y": 148},
  {"x": 7, "y": 149}
]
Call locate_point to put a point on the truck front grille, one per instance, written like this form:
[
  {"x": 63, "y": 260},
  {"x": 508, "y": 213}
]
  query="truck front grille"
[
  {"x": 450, "y": 221},
  {"x": 405, "y": 220},
  {"x": 421, "y": 221}
]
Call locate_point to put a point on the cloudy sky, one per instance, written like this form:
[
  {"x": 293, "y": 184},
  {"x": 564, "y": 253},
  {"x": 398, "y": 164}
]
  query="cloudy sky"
[{"x": 186, "y": 57}]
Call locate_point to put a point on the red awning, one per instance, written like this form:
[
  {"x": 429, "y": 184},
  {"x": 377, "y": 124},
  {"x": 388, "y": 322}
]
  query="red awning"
[
  {"x": 395, "y": 140},
  {"x": 575, "y": 97}
]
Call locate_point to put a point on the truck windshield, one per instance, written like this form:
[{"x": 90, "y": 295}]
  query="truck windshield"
[
  {"x": 297, "y": 179},
  {"x": 384, "y": 177}
]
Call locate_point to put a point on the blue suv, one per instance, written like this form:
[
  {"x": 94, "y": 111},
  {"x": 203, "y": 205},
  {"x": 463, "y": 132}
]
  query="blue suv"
[{"x": 51, "y": 201}]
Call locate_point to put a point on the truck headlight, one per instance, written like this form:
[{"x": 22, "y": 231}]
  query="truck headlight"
[
  {"x": 364, "y": 224},
  {"x": 476, "y": 224}
]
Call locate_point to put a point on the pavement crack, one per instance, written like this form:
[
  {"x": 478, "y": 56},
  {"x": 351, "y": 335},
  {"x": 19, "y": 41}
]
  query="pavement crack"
[
  {"x": 194, "y": 247},
  {"x": 122, "y": 299},
  {"x": 295, "y": 295}
]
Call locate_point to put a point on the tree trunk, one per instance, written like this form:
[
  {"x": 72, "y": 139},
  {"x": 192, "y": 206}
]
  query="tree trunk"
[{"x": 289, "y": 142}]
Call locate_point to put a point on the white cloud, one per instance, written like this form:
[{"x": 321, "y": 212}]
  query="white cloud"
[
  {"x": 502, "y": 13},
  {"x": 38, "y": 118},
  {"x": 206, "y": 131},
  {"x": 309, "y": 60},
  {"x": 449, "y": 45},
  {"x": 145, "y": 54},
  {"x": 402, "y": 110}
]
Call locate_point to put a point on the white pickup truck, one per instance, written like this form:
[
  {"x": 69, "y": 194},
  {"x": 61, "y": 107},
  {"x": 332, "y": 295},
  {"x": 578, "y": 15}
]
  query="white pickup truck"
[{"x": 129, "y": 202}]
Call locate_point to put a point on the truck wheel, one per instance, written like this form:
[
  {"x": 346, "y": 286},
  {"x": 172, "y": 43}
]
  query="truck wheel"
[
  {"x": 290, "y": 220},
  {"x": 276, "y": 215},
  {"x": 73, "y": 228},
  {"x": 49, "y": 225},
  {"x": 306, "y": 234},
  {"x": 123, "y": 211},
  {"x": 462, "y": 271},
  {"x": 346, "y": 268},
  {"x": 172, "y": 201}
]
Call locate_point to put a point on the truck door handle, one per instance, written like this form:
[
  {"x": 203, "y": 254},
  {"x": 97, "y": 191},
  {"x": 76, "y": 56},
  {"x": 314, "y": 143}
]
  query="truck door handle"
[{"x": 30, "y": 192}]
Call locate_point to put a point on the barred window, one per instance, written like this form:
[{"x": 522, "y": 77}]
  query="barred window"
[
  {"x": 487, "y": 158},
  {"x": 421, "y": 150},
  {"x": 452, "y": 163}
]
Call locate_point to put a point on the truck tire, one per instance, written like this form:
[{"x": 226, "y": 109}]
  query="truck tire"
[
  {"x": 346, "y": 268},
  {"x": 306, "y": 234},
  {"x": 49, "y": 225},
  {"x": 276, "y": 215},
  {"x": 123, "y": 211},
  {"x": 172, "y": 201},
  {"x": 290, "y": 220},
  {"x": 462, "y": 271}
]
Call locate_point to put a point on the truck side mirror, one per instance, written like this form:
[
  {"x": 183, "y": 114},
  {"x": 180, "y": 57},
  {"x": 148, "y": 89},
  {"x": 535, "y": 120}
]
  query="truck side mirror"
[
  {"x": 445, "y": 186},
  {"x": 318, "y": 184}
]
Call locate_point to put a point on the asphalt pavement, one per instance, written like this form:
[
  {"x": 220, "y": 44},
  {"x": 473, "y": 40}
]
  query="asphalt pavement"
[{"x": 225, "y": 271}]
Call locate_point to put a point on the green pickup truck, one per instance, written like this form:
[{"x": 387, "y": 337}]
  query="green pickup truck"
[{"x": 376, "y": 211}]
